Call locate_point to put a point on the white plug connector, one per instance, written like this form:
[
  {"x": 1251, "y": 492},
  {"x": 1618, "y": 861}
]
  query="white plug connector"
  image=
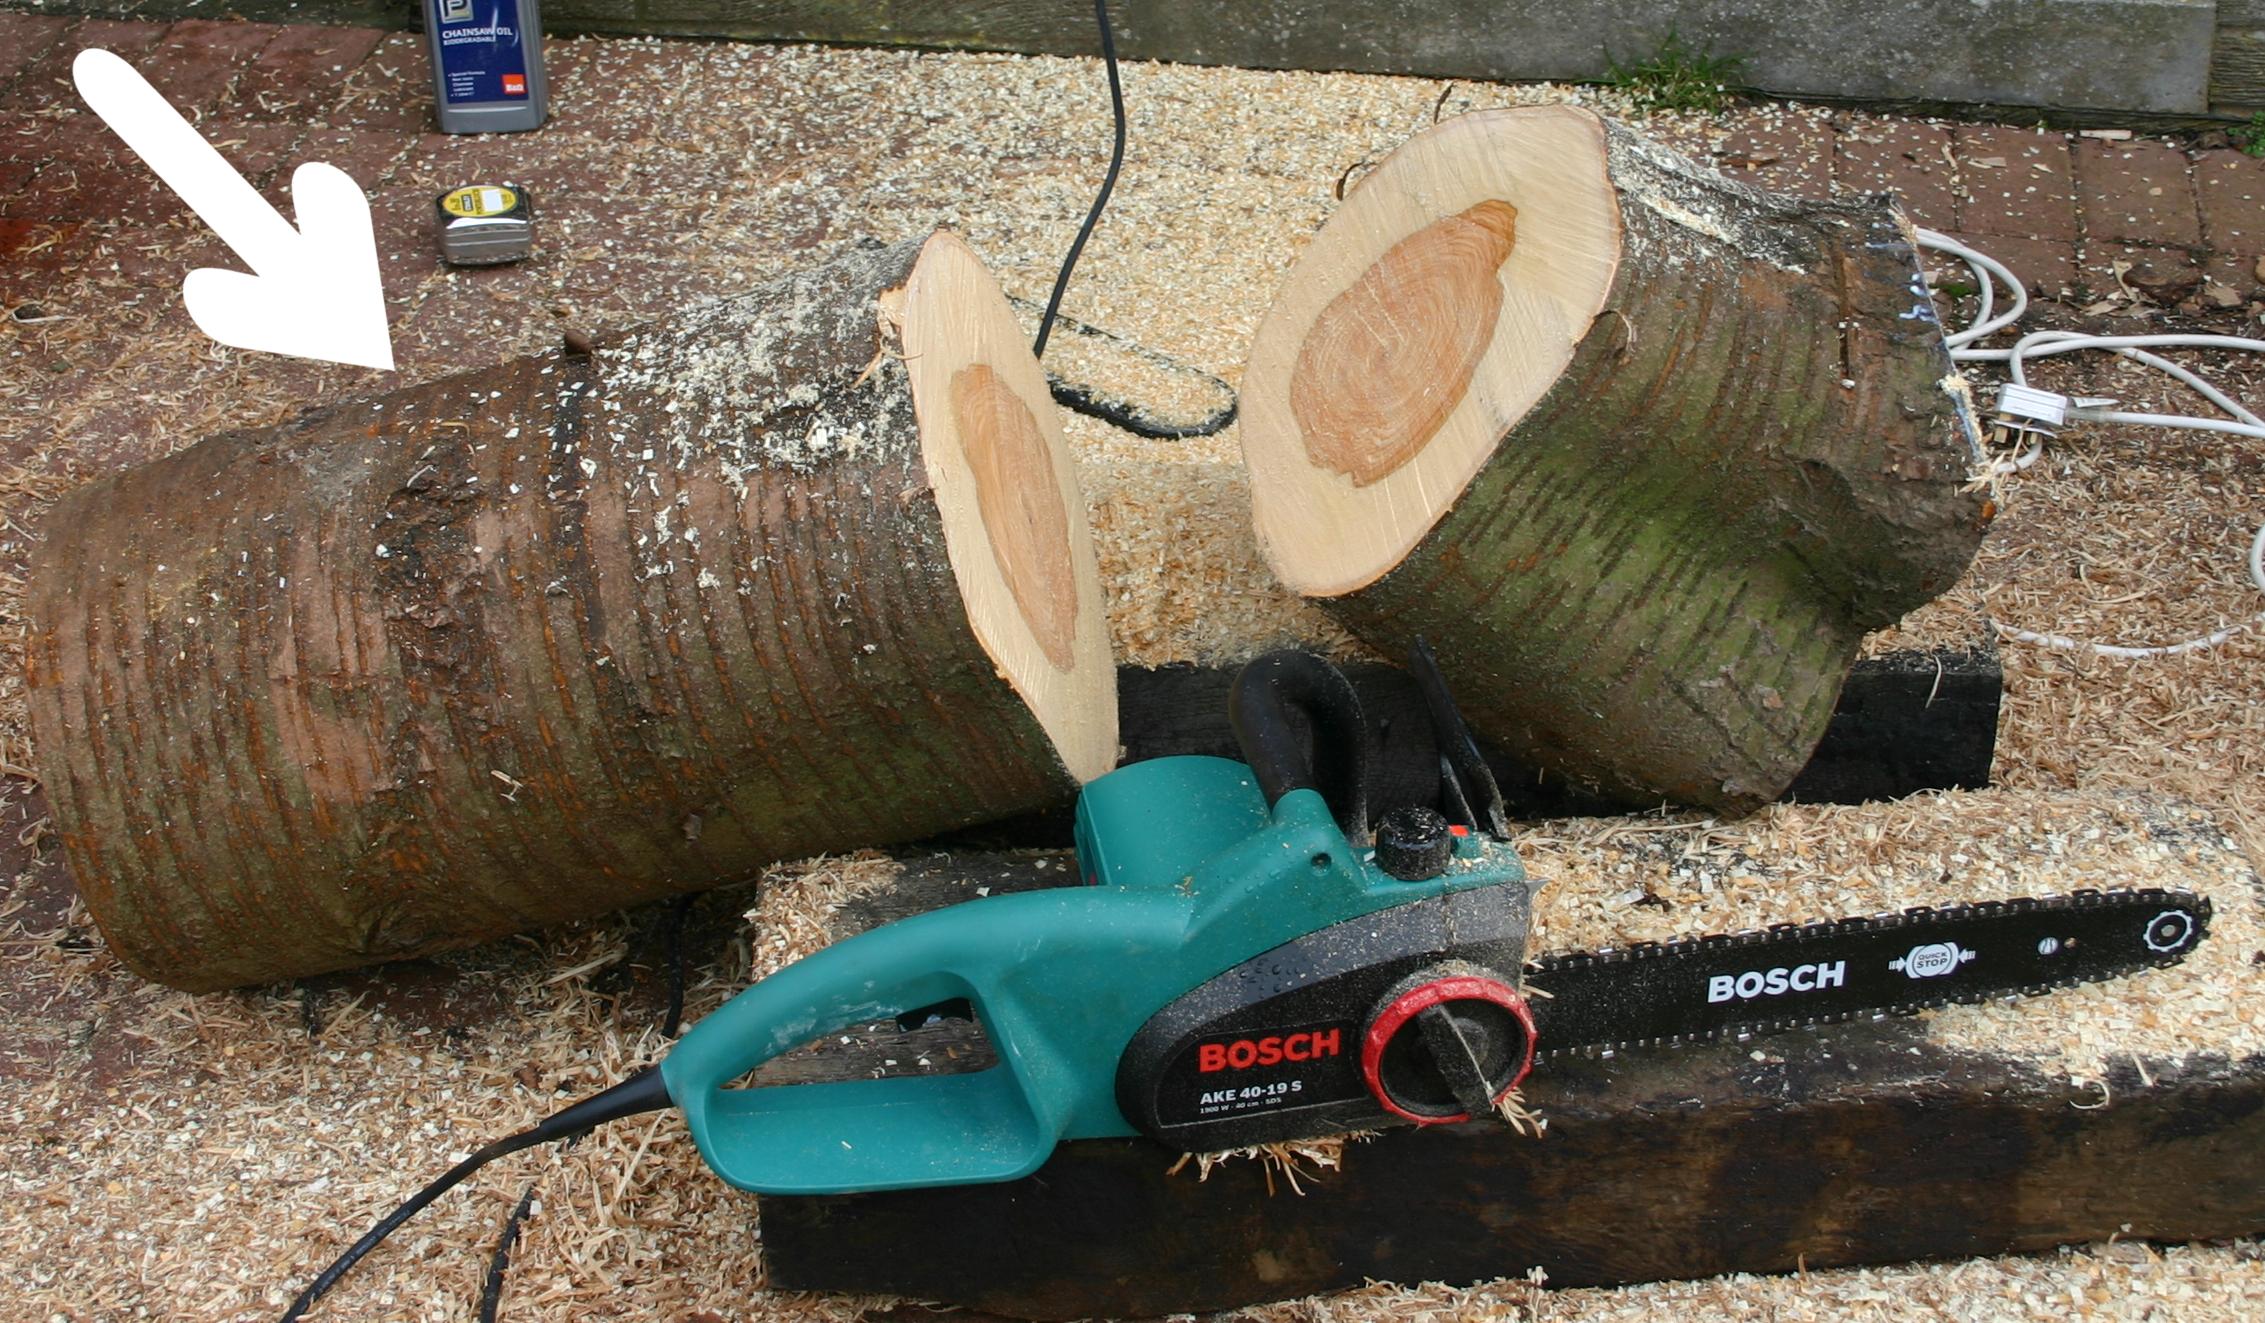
[{"x": 2028, "y": 409}]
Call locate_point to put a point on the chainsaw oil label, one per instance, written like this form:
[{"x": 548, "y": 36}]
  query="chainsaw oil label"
[
  {"x": 1232, "y": 1074},
  {"x": 483, "y": 54}
]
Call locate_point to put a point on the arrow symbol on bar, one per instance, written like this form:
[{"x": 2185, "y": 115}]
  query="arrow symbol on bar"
[{"x": 313, "y": 292}]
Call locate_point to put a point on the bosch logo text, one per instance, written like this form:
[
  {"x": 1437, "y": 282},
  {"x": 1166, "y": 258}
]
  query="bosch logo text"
[
  {"x": 1272, "y": 1050},
  {"x": 1777, "y": 982}
]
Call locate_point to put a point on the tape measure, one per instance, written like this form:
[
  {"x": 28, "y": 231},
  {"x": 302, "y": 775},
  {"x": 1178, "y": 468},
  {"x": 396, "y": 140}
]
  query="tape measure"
[{"x": 484, "y": 224}]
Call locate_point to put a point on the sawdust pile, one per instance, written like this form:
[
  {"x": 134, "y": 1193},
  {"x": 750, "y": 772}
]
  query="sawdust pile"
[{"x": 200, "y": 1157}]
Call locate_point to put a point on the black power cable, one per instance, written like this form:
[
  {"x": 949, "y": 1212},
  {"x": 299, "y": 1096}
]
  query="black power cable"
[
  {"x": 499, "y": 1262},
  {"x": 641, "y": 1092},
  {"x": 1108, "y": 181}
]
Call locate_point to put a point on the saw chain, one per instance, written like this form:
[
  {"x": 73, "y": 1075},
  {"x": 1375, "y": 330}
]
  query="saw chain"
[{"x": 1791, "y": 976}]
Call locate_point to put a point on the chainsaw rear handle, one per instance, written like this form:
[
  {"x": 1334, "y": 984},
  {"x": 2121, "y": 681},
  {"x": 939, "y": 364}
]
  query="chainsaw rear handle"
[
  {"x": 1266, "y": 692},
  {"x": 992, "y": 1125}
]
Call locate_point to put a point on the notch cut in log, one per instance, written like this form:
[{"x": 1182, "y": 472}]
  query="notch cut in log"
[
  {"x": 800, "y": 571},
  {"x": 1642, "y": 452}
]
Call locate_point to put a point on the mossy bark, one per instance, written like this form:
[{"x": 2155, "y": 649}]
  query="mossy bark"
[
  {"x": 1759, "y": 453},
  {"x": 522, "y": 645}
]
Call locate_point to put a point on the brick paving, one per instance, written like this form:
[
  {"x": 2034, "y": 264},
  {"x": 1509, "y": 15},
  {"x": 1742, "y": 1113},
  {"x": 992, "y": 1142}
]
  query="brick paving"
[{"x": 670, "y": 165}]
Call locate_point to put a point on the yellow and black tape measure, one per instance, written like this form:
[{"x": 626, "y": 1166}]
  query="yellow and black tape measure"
[{"x": 484, "y": 224}]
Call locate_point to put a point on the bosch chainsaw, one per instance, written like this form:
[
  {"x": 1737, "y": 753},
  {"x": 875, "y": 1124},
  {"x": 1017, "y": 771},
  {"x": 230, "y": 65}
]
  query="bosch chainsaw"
[{"x": 1247, "y": 962}]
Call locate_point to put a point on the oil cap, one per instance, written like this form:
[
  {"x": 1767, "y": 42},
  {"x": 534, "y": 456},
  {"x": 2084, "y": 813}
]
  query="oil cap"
[
  {"x": 485, "y": 224},
  {"x": 1413, "y": 843}
]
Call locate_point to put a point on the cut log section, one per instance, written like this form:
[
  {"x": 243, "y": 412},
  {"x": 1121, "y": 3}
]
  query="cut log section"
[
  {"x": 1642, "y": 452},
  {"x": 799, "y": 571}
]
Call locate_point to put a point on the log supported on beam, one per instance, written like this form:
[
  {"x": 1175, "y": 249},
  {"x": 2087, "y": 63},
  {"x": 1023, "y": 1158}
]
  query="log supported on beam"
[
  {"x": 800, "y": 571},
  {"x": 1643, "y": 453},
  {"x": 1906, "y": 722}
]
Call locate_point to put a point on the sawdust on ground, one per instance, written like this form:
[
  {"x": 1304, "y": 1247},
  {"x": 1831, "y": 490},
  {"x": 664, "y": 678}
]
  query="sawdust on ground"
[{"x": 199, "y": 1156}]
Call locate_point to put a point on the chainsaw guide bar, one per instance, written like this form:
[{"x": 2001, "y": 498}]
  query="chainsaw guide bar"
[{"x": 1792, "y": 976}]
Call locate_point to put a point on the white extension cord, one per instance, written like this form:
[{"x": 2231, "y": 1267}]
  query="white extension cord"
[{"x": 2039, "y": 413}]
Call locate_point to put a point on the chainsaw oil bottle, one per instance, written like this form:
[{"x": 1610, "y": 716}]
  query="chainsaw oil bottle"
[{"x": 487, "y": 64}]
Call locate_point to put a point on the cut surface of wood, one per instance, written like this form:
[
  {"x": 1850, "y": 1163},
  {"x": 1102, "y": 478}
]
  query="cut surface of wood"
[
  {"x": 802, "y": 570},
  {"x": 1007, "y": 490},
  {"x": 1428, "y": 316},
  {"x": 1643, "y": 452}
]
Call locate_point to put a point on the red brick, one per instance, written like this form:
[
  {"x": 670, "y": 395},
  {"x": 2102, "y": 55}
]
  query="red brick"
[
  {"x": 2016, "y": 182},
  {"x": 264, "y": 154},
  {"x": 367, "y": 156},
  {"x": 1692, "y": 135},
  {"x": 474, "y": 317},
  {"x": 638, "y": 84},
  {"x": 46, "y": 81},
  {"x": 392, "y": 90},
  {"x": 301, "y": 74},
  {"x": 92, "y": 177},
  {"x": 25, "y": 139},
  {"x": 24, "y": 38},
  {"x": 2231, "y": 187},
  {"x": 34, "y": 251},
  {"x": 2139, "y": 192},
  {"x": 408, "y": 241},
  {"x": 2046, "y": 266},
  {"x": 2163, "y": 275},
  {"x": 1785, "y": 149},
  {"x": 198, "y": 59},
  {"x": 1906, "y": 157},
  {"x": 2237, "y": 272}
]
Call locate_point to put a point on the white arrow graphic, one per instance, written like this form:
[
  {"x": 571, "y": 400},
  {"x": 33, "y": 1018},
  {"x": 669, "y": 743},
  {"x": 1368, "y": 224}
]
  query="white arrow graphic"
[{"x": 316, "y": 292}]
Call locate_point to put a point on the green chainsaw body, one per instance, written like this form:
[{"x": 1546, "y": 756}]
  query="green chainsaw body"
[{"x": 1189, "y": 874}]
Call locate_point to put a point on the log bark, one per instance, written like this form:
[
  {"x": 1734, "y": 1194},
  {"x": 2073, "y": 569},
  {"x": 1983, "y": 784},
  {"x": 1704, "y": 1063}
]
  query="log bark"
[
  {"x": 800, "y": 571},
  {"x": 1643, "y": 452}
]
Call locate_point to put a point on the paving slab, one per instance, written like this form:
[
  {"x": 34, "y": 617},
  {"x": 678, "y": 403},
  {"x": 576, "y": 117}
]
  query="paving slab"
[
  {"x": 195, "y": 63},
  {"x": 2138, "y": 191},
  {"x": 367, "y": 155},
  {"x": 2046, "y": 266},
  {"x": 2163, "y": 274},
  {"x": 1782, "y": 148},
  {"x": 2016, "y": 182},
  {"x": 24, "y": 38},
  {"x": 2231, "y": 188},
  {"x": 1910, "y": 158},
  {"x": 299, "y": 75},
  {"x": 47, "y": 78},
  {"x": 91, "y": 176},
  {"x": 391, "y": 91}
]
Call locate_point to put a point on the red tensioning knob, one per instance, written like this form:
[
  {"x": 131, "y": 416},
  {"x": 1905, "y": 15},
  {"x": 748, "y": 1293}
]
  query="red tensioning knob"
[{"x": 1479, "y": 1044}]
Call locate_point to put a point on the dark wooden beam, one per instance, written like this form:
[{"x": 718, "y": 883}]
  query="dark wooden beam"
[
  {"x": 1849, "y": 1145},
  {"x": 1838, "y": 1148},
  {"x": 1907, "y": 722}
]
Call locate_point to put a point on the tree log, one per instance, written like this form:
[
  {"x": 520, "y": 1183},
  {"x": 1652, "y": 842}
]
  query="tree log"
[
  {"x": 1643, "y": 452},
  {"x": 799, "y": 571}
]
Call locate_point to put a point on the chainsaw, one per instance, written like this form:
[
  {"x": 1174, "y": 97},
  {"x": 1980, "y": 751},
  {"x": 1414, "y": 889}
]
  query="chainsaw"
[{"x": 1248, "y": 962}]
